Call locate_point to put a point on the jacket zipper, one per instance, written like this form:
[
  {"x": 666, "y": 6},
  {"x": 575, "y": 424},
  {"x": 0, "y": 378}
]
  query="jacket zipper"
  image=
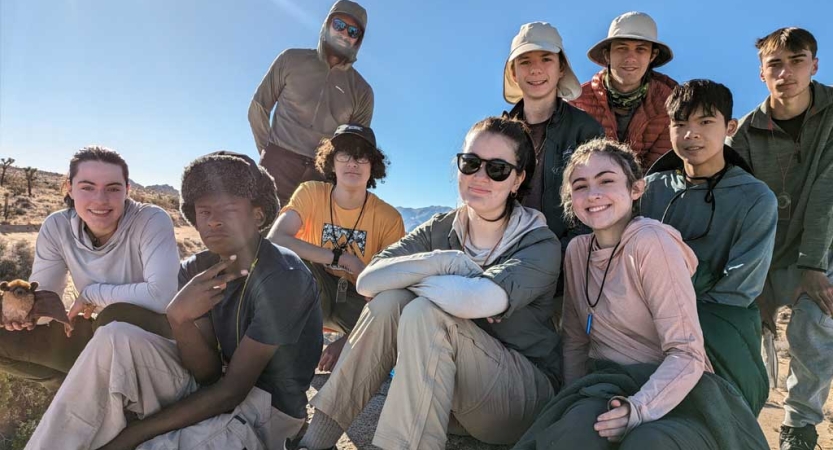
[{"x": 320, "y": 96}]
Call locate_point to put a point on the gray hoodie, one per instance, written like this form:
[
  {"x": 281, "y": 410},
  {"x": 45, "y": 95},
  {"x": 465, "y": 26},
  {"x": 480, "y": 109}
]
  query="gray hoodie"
[
  {"x": 734, "y": 256},
  {"x": 312, "y": 98},
  {"x": 138, "y": 265},
  {"x": 803, "y": 169}
]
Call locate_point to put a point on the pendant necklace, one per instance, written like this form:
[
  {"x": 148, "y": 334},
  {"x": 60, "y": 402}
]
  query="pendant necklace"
[
  {"x": 341, "y": 287},
  {"x": 592, "y": 306},
  {"x": 783, "y": 198},
  {"x": 466, "y": 233}
]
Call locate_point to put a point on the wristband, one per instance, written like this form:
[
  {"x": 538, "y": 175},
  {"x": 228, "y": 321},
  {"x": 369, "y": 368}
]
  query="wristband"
[{"x": 336, "y": 255}]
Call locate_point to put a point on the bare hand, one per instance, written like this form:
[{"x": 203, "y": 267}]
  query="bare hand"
[
  {"x": 331, "y": 354},
  {"x": 351, "y": 263},
  {"x": 818, "y": 287},
  {"x": 19, "y": 326},
  {"x": 203, "y": 292},
  {"x": 79, "y": 306},
  {"x": 613, "y": 424}
]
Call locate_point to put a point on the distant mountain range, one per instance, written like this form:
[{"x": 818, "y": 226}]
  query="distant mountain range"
[
  {"x": 165, "y": 189},
  {"x": 415, "y": 216}
]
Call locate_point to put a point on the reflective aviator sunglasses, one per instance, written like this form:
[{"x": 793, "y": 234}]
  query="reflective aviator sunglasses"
[
  {"x": 496, "y": 169},
  {"x": 339, "y": 25}
]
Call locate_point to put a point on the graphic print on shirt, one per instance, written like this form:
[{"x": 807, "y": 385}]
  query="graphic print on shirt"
[{"x": 337, "y": 236}]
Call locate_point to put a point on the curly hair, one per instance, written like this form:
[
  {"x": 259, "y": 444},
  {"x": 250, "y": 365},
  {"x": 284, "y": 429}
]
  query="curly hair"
[
  {"x": 620, "y": 153},
  {"x": 355, "y": 147}
]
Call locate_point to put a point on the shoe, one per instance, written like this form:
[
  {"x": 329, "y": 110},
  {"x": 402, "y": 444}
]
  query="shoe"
[
  {"x": 293, "y": 444},
  {"x": 804, "y": 438}
]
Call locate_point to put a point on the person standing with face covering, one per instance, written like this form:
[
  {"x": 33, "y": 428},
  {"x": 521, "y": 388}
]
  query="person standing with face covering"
[
  {"x": 627, "y": 96},
  {"x": 315, "y": 91}
]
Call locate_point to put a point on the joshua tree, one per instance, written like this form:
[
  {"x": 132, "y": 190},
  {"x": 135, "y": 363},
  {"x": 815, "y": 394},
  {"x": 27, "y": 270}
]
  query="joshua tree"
[
  {"x": 6, "y": 163},
  {"x": 30, "y": 177}
]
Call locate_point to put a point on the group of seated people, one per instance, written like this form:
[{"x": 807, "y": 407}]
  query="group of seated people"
[{"x": 582, "y": 296}]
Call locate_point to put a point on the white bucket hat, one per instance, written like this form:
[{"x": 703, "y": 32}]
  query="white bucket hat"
[
  {"x": 636, "y": 26},
  {"x": 538, "y": 36}
]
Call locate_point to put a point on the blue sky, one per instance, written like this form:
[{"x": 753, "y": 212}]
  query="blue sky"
[{"x": 164, "y": 81}]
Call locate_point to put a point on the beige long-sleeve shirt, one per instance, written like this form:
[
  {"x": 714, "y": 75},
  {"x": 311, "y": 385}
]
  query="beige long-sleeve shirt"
[{"x": 647, "y": 313}]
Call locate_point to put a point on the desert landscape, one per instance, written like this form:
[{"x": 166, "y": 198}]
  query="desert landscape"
[{"x": 22, "y": 403}]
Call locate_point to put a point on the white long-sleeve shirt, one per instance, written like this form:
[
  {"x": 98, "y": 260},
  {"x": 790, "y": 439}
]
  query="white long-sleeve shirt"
[{"x": 138, "y": 265}]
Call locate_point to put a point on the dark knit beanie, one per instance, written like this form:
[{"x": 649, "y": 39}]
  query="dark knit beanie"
[{"x": 228, "y": 173}]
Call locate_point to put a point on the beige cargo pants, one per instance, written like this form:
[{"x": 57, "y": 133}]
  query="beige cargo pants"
[
  {"x": 446, "y": 366},
  {"x": 125, "y": 367}
]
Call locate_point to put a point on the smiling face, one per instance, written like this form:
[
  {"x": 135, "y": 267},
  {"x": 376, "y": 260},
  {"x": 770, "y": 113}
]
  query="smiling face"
[
  {"x": 483, "y": 195},
  {"x": 788, "y": 74},
  {"x": 537, "y": 74},
  {"x": 99, "y": 191},
  {"x": 226, "y": 222},
  {"x": 629, "y": 61},
  {"x": 601, "y": 197},
  {"x": 698, "y": 141}
]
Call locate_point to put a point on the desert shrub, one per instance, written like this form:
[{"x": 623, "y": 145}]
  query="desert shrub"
[
  {"x": 24, "y": 402},
  {"x": 15, "y": 260}
]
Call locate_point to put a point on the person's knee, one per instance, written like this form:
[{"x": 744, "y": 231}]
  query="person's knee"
[
  {"x": 389, "y": 304},
  {"x": 136, "y": 315},
  {"x": 419, "y": 312},
  {"x": 117, "y": 312},
  {"x": 647, "y": 438}
]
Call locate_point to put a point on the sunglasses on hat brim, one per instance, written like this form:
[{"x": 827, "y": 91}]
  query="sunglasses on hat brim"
[
  {"x": 496, "y": 169},
  {"x": 353, "y": 31}
]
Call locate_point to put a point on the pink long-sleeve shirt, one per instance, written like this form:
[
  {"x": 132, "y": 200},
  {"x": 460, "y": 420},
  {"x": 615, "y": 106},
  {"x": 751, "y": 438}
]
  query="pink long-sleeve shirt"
[{"x": 647, "y": 313}]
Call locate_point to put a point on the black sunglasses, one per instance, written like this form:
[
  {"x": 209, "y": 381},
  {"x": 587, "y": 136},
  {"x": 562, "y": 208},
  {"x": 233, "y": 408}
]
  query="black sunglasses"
[
  {"x": 496, "y": 169},
  {"x": 339, "y": 25}
]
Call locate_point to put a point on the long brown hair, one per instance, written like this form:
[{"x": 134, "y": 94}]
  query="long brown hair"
[{"x": 518, "y": 133}]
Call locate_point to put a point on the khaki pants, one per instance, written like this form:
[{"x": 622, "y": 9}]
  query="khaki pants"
[
  {"x": 45, "y": 354},
  {"x": 447, "y": 366},
  {"x": 125, "y": 367}
]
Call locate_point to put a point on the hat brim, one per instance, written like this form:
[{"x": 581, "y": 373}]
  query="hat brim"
[
  {"x": 596, "y": 53},
  {"x": 568, "y": 87},
  {"x": 335, "y": 138}
]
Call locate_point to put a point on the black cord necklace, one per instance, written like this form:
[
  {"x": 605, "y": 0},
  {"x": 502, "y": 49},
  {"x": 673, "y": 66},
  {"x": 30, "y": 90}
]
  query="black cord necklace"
[
  {"x": 344, "y": 245},
  {"x": 592, "y": 306},
  {"x": 711, "y": 185}
]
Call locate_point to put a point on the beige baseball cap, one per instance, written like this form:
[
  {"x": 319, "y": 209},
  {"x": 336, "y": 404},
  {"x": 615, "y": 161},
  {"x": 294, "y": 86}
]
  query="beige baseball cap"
[{"x": 538, "y": 36}]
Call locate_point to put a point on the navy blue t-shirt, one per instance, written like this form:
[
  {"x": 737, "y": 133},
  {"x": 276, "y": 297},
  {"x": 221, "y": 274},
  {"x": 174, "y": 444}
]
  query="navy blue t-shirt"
[{"x": 279, "y": 307}]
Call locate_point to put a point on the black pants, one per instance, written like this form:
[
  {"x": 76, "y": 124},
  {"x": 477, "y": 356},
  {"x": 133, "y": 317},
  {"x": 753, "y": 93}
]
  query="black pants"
[
  {"x": 340, "y": 316},
  {"x": 289, "y": 170}
]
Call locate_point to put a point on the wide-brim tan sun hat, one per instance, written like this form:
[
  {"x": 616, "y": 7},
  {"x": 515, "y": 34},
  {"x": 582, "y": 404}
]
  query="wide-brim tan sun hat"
[
  {"x": 538, "y": 36},
  {"x": 636, "y": 26}
]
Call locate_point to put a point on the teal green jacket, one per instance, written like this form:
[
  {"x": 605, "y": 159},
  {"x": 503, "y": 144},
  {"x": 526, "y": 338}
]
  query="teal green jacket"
[{"x": 734, "y": 258}]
